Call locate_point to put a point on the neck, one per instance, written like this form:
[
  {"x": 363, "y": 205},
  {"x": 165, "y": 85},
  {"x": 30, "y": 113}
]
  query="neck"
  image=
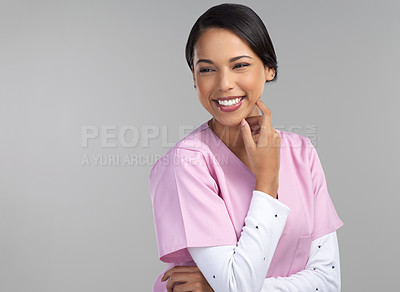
[{"x": 231, "y": 135}]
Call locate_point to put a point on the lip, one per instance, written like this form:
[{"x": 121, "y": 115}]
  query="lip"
[
  {"x": 228, "y": 97},
  {"x": 232, "y": 107}
]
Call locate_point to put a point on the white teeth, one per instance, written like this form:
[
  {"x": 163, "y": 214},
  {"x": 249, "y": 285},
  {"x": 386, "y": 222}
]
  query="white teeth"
[{"x": 229, "y": 102}]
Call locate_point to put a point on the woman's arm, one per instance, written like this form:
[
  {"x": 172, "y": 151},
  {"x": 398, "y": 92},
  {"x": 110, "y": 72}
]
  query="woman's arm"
[
  {"x": 243, "y": 267},
  {"x": 322, "y": 272}
]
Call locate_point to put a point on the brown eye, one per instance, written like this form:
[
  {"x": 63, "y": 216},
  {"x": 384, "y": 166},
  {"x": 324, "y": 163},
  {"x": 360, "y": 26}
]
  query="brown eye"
[
  {"x": 204, "y": 70},
  {"x": 241, "y": 65}
]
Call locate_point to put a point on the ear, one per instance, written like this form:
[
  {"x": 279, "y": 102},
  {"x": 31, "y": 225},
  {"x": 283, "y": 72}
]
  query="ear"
[{"x": 269, "y": 73}]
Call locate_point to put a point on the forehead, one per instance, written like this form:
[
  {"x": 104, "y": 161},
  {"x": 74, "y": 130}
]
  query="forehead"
[{"x": 217, "y": 43}]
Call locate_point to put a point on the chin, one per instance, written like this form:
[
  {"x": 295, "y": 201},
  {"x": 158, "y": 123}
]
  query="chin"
[{"x": 232, "y": 122}]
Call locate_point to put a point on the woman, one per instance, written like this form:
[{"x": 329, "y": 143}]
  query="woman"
[{"x": 238, "y": 205}]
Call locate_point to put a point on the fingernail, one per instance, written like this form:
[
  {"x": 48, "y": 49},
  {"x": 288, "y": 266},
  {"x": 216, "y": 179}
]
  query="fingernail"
[{"x": 242, "y": 123}]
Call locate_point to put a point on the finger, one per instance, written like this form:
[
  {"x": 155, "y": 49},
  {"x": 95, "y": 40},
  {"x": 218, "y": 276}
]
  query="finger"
[
  {"x": 255, "y": 125},
  {"x": 267, "y": 132},
  {"x": 178, "y": 278},
  {"x": 246, "y": 135},
  {"x": 187, "y": 287},
  {"x": 182, "y": 269},
  {"x": 266, "y": 112},
  {"x": 261, "y": 124},
  {"x": 269, "y": 138},
  {"x": 191, "y": 282},
  {"x": 254, "y": 120},
  {"x": 165, "y": 276},
  {"x": 255, "y": 132}
]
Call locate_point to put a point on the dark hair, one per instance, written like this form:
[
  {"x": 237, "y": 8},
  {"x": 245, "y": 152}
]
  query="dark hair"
[{"x": 242, "y": 21}]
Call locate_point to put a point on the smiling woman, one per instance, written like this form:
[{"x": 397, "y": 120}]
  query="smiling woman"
[
  {"x": 261, "y": 219},
  {"x": 216, "y": 75}
]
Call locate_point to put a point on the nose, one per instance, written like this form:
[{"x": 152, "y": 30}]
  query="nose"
[{"x": 226, "y": 81}]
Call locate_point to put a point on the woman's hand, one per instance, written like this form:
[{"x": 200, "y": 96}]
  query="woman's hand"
[
  {"x": 263, "y": 151},
  {"x": 186, "y": 278}
]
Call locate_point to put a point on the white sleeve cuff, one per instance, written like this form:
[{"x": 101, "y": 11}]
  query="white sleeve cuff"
[
  {"x": 322, "y": 272},
  {"x": 244, "y": 267}
]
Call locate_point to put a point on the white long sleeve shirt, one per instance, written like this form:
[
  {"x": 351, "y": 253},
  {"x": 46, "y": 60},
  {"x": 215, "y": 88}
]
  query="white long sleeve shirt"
[{"x": 243, "y": 267}]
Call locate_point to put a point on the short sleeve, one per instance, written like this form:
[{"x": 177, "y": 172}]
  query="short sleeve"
[
  {"x": 326, "y": 219},
  {"x": 187, "y": 208}
]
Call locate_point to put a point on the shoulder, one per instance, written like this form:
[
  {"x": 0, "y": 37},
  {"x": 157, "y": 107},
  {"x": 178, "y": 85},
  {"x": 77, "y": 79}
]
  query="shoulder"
[
  {"x": 192, "y": 149},
  {"x": 294, "y": 140},
  {"x": 297, "y": 148}
]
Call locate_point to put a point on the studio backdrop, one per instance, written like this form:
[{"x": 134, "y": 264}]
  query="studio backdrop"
[{"x": 94, "y": 92}]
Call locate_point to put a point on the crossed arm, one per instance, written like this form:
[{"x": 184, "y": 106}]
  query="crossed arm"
[
  {"x": 243, "y": 267},
  {"x": 322, "y": 272}
]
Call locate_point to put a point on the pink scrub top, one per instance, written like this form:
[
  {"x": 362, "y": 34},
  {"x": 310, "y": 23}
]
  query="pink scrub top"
[{"x": 201, "y": 193}]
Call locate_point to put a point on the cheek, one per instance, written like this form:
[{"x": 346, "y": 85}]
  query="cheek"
[
  {"x": 205, "y": 83},
  {"x": 252, "y": 82},
  {"x": 205, "y": 88},
  {"x": 203, "y": 94}
]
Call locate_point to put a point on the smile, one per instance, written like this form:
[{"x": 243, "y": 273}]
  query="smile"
[{"x": 228, "y": 105}]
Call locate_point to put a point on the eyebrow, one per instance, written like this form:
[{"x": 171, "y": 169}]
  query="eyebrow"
[{"x": 230, "y": 60}]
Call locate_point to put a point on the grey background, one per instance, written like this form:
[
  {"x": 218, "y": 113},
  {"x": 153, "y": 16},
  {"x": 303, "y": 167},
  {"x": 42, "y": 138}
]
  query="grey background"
[{"x": 69, "y": 64}]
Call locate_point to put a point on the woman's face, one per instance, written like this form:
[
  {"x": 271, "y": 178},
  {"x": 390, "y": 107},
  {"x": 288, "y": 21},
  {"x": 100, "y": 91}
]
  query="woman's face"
[{"x": 219, "y": 72}]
